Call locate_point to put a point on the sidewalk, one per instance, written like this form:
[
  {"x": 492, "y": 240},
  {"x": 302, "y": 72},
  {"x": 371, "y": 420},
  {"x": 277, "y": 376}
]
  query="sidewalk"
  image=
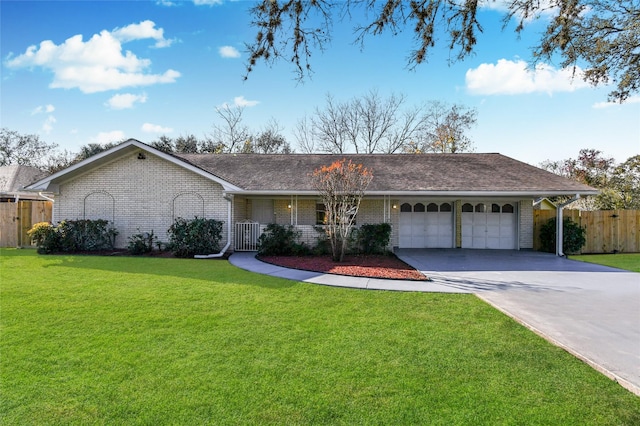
[{"x": 248, "y": 261}]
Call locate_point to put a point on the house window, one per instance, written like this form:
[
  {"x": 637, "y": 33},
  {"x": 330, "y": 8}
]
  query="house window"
[
  {"x": 480, "y": 208},
  {"x": 418, "y": 208},
  {"x": 445, "y": 207},
  {"x": 432, "y": 207},
  {"x": 495, "y": 208},
  {"x": 405, "y": 208},
  {"x": 507, "y": 208},
  {"x": 321, "y": 214},
  {"x": 467, "y": 208}
]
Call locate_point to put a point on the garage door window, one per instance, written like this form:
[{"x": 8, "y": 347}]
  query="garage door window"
[
  {"x": 418, "y": 208},
  {"x": 445, "y": 207},
  {"x": 405, "y": 208},
  {"x": 479, "y": 208},
  {"x": 467, "y": 208},
  {"x": 507, "y": 208},
  {"x": 432, "y": 207}
]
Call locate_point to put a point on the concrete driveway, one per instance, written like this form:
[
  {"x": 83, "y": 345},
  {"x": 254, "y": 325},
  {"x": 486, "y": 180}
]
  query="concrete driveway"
[{"x": 590, "y": 310}]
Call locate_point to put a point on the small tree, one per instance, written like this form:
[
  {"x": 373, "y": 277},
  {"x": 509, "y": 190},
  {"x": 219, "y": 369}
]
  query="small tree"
[{"x": 341, "y": 186}]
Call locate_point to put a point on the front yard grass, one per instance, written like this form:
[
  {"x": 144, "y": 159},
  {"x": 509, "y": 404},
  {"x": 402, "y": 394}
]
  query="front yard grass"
[
  {"x": 628, "y": 261},
  {"x": 123, "y": 340}
]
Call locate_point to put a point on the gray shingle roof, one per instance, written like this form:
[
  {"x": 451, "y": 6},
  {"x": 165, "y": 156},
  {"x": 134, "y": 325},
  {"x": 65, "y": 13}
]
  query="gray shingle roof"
[
  {"x": 15, "y": 177},
  {"x": 392, "y": 173}
]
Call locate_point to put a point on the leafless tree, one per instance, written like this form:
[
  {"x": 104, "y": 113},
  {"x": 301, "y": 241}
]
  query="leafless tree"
[{"x": 230, "y": 134}]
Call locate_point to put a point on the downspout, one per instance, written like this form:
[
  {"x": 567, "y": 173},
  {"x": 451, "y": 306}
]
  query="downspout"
[
  {"x": 559, "y": 226},
  {"x": 45, "y": 197},
  {"x": 229, "y": 199}
]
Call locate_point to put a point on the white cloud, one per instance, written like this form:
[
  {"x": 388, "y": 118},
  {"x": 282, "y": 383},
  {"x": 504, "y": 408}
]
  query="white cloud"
[
  {"x": 98, "y": 64},
  {"x": 206, "y": 2},
  {"x": 125, "y": 100},
  {"x": 143, "y": 30},
  {"x": 155, "y": 128},
  {"x": 108, "y": 137},
  {"x": 47, "y": 126},
  {"x": 514, "y": 77},
  {"x": 239, "y": 101},
  {"x": 545, "y": 10},
  {"x": 229, "y": 52},
  {"x": 630, "y": 100},
  {"x": 43, "y": 109}
]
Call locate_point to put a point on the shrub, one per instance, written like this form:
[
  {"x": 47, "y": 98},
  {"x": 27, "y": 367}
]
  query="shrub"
[
  {"x": 141, "y": 243},
  {"x": 573, "y": 236},
  {"x": 188, "y": 238},
  {"x": 74, "y": 236},
  {"x": 44, "y": 235},
  {"x": 281, "y": 240},
  {"x": 373, "y": 238}
]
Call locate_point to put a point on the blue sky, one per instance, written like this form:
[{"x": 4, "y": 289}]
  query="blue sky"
[{"x": 78, "y": 72}]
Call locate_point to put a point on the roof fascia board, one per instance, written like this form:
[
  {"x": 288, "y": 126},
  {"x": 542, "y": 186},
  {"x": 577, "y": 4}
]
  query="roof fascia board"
[{"x": 446, "y": 194}]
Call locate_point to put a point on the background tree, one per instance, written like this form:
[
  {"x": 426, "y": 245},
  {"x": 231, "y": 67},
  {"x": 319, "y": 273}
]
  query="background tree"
[
  {"x": 164, "y": 144},
  {"x": 91, "y": 149},
  {"x": 187, "y": 144},
  {"x": 603, "y": 34},
  {"x": 619, "y": 185},
  {"x": 24, "y": 150},
  {"x": 341, "y": 186},
  {"x": 374, "y": 124},
  {"x": 445, "y": 128},
  {"x": 230, "y": 134},
  {"x": 268, "y": 141}
]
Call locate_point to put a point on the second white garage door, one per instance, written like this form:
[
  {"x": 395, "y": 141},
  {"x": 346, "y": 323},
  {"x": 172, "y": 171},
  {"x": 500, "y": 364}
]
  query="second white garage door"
[{"x": 489, "y": 226}]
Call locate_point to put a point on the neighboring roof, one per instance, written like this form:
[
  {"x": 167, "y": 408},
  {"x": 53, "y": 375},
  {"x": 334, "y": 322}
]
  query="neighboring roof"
[
  {"x": 463, "y": 174},
  {"x": 14, "y": 178},
  {"x": 398, "y": 174}
]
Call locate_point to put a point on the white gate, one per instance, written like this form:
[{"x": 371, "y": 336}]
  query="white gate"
[{"x": 246, "y": 236}]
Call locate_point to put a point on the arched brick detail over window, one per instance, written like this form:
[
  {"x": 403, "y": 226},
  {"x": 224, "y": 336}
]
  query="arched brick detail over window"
[
  {"x": 99, "y": 205},
  {"x": 188, "y": 205}
]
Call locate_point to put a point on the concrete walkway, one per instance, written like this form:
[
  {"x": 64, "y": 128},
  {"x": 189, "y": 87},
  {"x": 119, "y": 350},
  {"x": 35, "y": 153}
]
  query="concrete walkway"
[{"x": 591, "y": 311}]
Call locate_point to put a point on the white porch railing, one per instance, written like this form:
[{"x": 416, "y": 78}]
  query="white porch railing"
[{"x": 246, "y": 236}]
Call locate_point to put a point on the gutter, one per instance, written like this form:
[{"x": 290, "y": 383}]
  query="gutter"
[
  {"x": 229, "y": 199},
  {"x": 559, "y": 225},
  {"x": 45, "y": 197}
]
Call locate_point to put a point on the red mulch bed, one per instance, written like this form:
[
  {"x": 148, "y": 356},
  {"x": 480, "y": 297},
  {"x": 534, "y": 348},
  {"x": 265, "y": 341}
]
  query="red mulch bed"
[{"x": 371, "y": 266}]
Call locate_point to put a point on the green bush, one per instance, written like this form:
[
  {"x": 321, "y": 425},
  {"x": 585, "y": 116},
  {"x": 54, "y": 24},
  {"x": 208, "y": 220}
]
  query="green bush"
[
  {"x": 44, "y": 235},
  {"x": 281, "y": 240},
  {"x": 86, "y": 235},
  {"x": 573, "y": 236},
  {"x": 188, "y": 238},
  {"x": 141, "y": 243},
  {"x": 373, "y": 238},
  {"x": 73, "y": 236}
]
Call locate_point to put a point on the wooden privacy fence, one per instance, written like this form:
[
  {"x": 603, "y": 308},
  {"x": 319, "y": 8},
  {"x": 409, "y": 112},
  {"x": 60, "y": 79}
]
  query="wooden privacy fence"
[
  {"x": 607, "y": 231},
  {"x": 17, "y": 218}
]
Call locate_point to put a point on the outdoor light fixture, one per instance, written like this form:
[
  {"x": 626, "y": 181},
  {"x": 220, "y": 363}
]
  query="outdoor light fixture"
[
  {"x": 288, "y": 206},
  {"x": 394, "y": 206},
  {"x": 141, "y": 156}
]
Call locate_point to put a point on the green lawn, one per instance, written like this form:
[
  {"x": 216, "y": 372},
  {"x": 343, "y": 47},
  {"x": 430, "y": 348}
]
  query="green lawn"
[
  {"x": 628, "y": 261},
  {"x": 120, "y": 340}
]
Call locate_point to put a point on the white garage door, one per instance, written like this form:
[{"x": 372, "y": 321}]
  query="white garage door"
[
  {"x": 426, "y": 226},
  {"x": 490, "y": 226}
]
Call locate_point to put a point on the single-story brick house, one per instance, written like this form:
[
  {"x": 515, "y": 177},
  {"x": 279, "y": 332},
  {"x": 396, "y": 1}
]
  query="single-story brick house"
[{"x": 431, "y": 200}]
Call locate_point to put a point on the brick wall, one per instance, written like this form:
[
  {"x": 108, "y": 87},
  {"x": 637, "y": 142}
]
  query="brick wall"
[
  {"x": 140, "y": 196},
  {"x": 526, "y": 224}
]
